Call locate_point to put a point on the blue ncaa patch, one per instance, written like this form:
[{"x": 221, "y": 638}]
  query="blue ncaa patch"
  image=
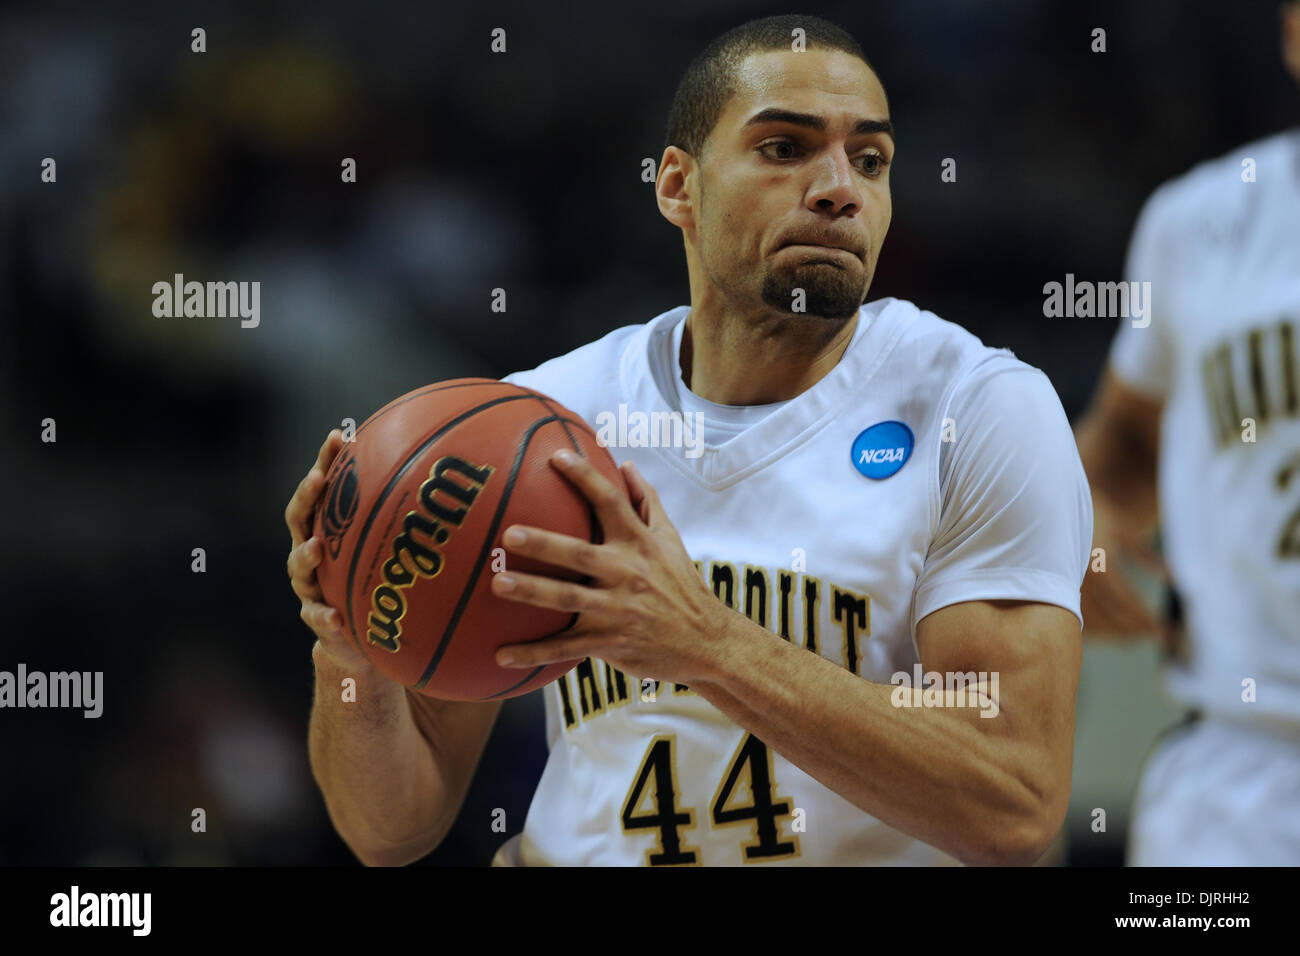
[{"x": 882, "y": 449}]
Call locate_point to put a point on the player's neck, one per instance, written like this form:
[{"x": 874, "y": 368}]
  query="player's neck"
[{"x": 759, "y": 360}]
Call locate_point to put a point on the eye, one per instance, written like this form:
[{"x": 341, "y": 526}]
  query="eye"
[
  {"x": 874, "y": 164},
  {"x": 788, "y": 143}
]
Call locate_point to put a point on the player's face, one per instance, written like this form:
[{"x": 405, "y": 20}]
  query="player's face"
[{"x": 777, "y": 190}]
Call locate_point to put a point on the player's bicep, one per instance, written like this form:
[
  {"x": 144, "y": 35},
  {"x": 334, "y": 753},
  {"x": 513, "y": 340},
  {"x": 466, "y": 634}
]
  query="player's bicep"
[
  {"x": 1016, "y": 518},
  {"x": 1030, "y": 655}
]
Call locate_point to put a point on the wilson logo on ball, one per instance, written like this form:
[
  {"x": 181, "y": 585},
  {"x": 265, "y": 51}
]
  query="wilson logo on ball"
[{"x": 415, "y": 554}]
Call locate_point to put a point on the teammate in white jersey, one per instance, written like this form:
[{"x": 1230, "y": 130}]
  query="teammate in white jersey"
[
  {"x": 1200, "y": 410},
  {"x": 856, "y": 492}
]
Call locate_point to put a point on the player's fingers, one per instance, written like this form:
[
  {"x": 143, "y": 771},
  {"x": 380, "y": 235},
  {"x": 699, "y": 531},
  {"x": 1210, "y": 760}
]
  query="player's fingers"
[
  {"x": 561, "y": 550},
  {"x": 306, "y": 589},
  {"x": 611, "y": 505},
  {"x": 329, "y": 449},
  {"x": 644, "y": 498},
  {"x": 304, "y": 559},
  {"x": 325, "y": 621},
  {"x": 302, "y": 506},
  {"x": 337, "y": 643},
  {"x": 553, "y": 650},
  {"x": 548, "y": 592},
  {"x": 637, "y": 491}
]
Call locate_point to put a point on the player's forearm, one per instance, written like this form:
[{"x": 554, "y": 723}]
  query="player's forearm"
[
  {"x": 375, "y": 769},
  {"x": 934, "y": 773}
]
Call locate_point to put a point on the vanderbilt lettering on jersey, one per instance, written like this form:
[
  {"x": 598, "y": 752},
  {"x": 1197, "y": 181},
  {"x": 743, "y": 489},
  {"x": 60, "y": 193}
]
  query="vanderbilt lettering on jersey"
[
  {"x": 1251, "y": 375},
  {"x": 794, "y": 610}
]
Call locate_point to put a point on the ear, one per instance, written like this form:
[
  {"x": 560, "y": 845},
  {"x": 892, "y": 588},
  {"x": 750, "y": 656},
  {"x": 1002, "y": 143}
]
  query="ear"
[
  {"x": 1289, "y": 14},
  {"x": 674, "y": 187}
]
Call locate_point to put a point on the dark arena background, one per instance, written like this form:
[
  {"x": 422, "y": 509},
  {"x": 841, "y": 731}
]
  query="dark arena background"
[{"x": 475, "y": 170}]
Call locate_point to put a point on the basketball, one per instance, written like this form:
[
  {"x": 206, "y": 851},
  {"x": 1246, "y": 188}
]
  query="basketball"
[{"x": 411, "y": 518}]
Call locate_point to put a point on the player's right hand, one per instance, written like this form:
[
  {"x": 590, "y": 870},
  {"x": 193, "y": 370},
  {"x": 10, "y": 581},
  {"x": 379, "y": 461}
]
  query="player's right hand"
[{"x": 305, "y": 556}]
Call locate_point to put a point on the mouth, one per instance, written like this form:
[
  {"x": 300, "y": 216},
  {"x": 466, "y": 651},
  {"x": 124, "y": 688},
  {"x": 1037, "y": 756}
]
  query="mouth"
[{"x": 819, "y": 247}]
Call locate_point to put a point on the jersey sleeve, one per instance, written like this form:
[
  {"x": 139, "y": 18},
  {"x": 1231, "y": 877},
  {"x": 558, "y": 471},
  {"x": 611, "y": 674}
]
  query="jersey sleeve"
[
  {"x": 1015, "y": 519},
  {"x": 1140, "y": 356}
]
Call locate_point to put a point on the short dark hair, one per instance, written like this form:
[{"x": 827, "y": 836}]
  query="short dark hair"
[{"x": 710, "y": 80}]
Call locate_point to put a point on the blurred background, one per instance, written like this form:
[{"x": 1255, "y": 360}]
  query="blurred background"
[{"x": 475, "y": 170}]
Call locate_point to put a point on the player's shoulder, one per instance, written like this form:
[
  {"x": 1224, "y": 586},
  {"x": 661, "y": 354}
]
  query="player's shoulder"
[
  {"x": 940, "y": 365},
  {"x": 591, "y": 369},
  {"x": 1259, "y": 160},
  {"x": 1214, "y": 186},
  {"x": 941, "y": 355}
]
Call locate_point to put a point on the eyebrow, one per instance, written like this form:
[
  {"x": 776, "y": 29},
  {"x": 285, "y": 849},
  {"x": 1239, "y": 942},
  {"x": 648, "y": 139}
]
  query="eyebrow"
[{"x": 775, "y": 114}]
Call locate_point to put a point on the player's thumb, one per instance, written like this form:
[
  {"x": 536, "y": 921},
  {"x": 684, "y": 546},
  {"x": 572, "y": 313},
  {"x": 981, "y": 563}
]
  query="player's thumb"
[{"x": 643, "y": 497}]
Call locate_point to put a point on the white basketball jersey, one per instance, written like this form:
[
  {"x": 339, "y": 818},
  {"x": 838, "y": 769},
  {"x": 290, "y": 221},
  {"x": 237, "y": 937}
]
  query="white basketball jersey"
[
  {"x": 1221, "y": 249},
  {"x": 834, "y": 541}
]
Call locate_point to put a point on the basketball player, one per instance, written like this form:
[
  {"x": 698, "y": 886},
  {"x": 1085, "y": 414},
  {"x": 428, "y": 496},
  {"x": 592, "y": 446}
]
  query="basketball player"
[
  {"x": 1203, "y": 406},
  {"x": 877, "y": 492}
]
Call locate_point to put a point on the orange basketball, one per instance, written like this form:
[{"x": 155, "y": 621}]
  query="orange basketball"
[{"x": 412, "y": 516}]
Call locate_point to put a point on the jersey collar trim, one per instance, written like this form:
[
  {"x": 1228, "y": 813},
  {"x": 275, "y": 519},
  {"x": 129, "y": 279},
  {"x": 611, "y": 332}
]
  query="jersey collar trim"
[{"x": 647, "y": 365}]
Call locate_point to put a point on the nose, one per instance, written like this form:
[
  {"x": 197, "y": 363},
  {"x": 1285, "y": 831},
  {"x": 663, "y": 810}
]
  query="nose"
[{"x": 835, "y": 189}]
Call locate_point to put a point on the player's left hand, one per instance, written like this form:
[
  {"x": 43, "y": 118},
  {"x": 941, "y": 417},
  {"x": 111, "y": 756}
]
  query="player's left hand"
[{"x": 646, "y": 610}]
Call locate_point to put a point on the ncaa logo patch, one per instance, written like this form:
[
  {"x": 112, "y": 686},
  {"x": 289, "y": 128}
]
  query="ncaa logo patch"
[{"x": 882, "y": 449}]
